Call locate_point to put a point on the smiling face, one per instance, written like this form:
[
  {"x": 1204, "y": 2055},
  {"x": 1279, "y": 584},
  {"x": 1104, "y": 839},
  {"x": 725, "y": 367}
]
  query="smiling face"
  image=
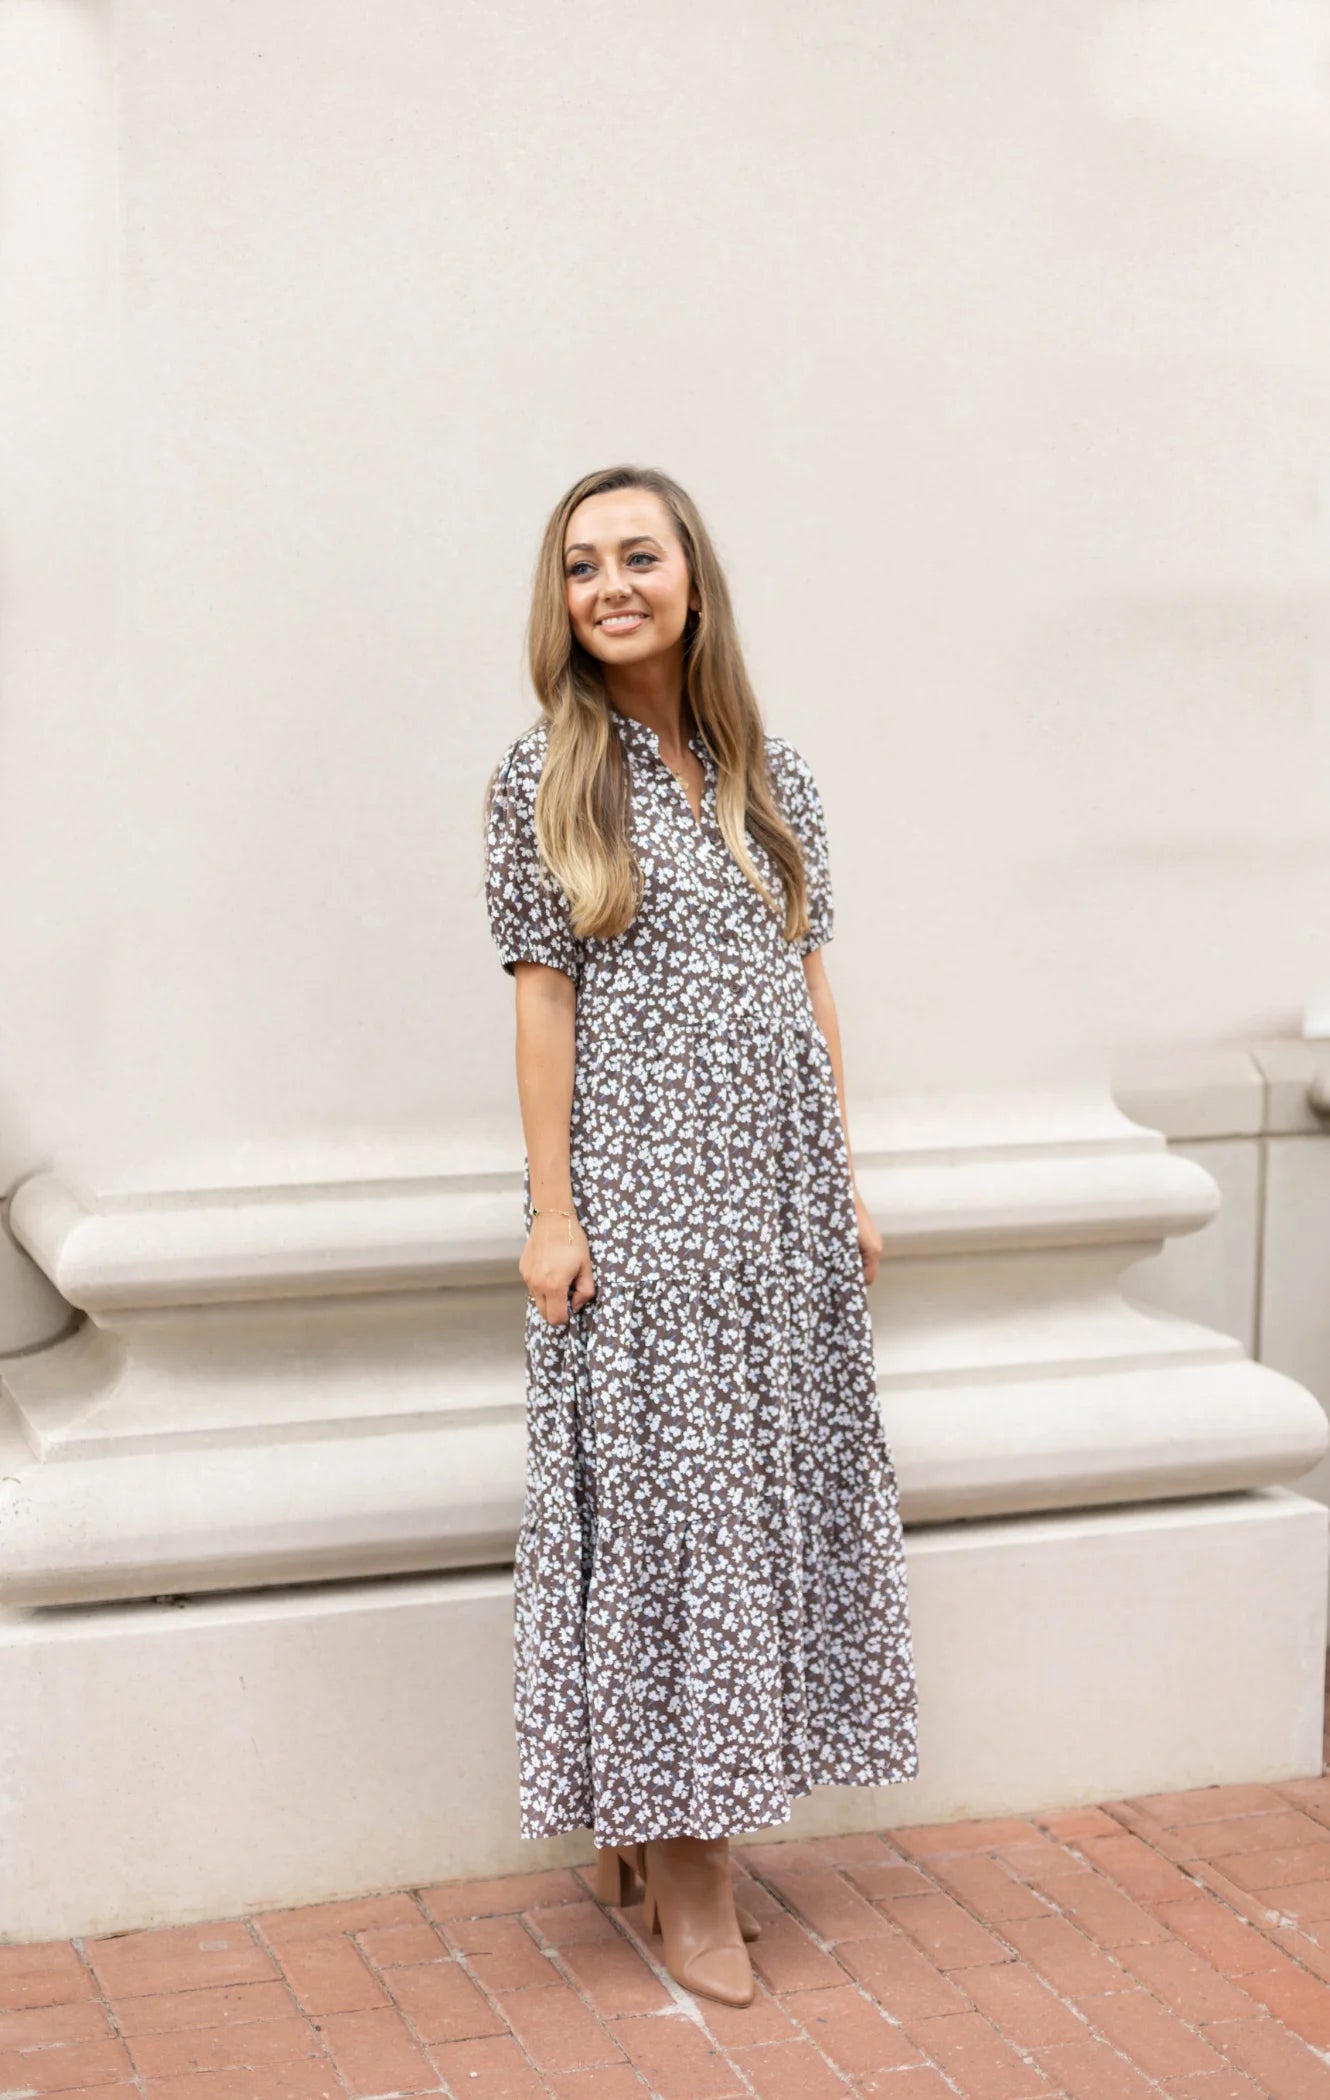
[{"x": 626, "y": 577}]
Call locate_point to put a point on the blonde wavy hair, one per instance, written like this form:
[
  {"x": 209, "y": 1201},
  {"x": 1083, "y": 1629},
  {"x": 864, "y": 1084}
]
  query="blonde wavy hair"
[{"x": 583, "y": 802}]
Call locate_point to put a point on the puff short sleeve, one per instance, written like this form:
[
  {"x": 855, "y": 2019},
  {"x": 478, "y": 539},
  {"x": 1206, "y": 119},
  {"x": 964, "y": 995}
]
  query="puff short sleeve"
[
  {"x": 797, "y": 792},
  {"x": 528, "y": 912}
]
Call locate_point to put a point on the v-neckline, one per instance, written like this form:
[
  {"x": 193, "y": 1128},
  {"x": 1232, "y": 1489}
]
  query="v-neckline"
[
  {"x": 681, "y": 784},
  {"x": 642, "y": 735}
]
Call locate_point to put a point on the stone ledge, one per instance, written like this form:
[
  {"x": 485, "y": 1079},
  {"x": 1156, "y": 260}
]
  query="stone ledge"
[
  {"x": 280, "y": 1385},
  {"x": 1274, "y": 1087}
]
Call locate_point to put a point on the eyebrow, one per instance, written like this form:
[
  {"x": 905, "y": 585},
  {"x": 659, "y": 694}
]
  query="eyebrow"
[{"x": 585, "y": 546}]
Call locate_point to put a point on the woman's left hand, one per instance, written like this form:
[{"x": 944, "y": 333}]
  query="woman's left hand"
[{"x": 870, "y": 1239}]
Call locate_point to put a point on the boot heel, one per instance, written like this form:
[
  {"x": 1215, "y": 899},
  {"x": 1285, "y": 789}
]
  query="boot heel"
[{"x": 614, "y": 1876}]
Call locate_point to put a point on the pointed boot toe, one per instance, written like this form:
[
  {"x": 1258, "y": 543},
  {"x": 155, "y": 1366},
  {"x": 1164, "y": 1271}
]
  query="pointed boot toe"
[{"x": 724, "y": 1973}]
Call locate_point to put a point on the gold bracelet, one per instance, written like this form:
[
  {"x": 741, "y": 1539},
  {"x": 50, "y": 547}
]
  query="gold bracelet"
[{"x": 551, "y": 1211}]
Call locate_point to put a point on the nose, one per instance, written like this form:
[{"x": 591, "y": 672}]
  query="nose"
[{"x": 618, "y": 582}]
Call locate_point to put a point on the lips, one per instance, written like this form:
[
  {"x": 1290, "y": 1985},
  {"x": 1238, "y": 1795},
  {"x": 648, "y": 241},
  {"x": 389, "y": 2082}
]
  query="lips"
[{"x": 622, "y": 623}]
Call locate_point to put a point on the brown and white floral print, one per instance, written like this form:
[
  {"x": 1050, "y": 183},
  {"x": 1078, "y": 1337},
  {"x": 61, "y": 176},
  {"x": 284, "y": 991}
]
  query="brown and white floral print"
[{"x": 711, "y": 1603}]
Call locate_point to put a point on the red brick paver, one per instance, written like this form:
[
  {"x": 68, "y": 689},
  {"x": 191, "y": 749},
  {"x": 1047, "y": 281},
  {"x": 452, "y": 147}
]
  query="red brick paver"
[{"x": 1174, "y": 1944}]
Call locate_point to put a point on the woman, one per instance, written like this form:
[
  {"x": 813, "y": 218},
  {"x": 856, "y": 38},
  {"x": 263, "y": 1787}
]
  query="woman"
[{"x": 711, "y": 1608}]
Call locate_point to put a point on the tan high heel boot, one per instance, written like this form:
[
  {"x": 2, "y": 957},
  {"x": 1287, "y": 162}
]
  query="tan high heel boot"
[
  {"x": 620, "y": 1867},
  {"x": 689, "y": 1894}
]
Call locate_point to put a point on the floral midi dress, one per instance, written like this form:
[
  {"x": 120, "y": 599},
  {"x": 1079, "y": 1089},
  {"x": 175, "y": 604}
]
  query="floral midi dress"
[{"x": 711, "y": 1612}]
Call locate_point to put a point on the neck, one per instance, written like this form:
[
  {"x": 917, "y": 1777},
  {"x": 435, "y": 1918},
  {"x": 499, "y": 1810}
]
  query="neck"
[{"x": 651, "y": 692}]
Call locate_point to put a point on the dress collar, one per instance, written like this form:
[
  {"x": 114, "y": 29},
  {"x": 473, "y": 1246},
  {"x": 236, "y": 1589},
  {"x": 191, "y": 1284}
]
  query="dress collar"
[{"x": 639, "y": 737}]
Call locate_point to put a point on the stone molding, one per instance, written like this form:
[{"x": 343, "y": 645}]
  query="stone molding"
[
  {"x": 1274, "y": 1088},
  {"x": 285, "y": 1385}
]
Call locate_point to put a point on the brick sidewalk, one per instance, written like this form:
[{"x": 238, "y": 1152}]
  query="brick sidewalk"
[{"x": 1178, "y": 1944}]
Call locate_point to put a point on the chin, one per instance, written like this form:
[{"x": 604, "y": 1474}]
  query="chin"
[{"x": 609, "y": 653}]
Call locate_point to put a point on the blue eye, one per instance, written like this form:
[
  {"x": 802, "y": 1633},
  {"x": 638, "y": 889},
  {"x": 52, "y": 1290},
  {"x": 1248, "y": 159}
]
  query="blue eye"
[{"x": 640, "y": 555}]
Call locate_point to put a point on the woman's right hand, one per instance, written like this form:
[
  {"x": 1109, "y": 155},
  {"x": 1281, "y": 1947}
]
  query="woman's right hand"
[{"x": 551, "y": 1263}]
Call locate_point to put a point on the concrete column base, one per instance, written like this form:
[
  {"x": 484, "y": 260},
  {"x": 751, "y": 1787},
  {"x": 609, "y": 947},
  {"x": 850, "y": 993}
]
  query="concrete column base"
[{"x": 171, "y": 1762}]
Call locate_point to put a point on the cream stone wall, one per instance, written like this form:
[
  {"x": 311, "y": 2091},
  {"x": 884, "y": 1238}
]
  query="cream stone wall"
[{"x": 992, "y": 342}]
